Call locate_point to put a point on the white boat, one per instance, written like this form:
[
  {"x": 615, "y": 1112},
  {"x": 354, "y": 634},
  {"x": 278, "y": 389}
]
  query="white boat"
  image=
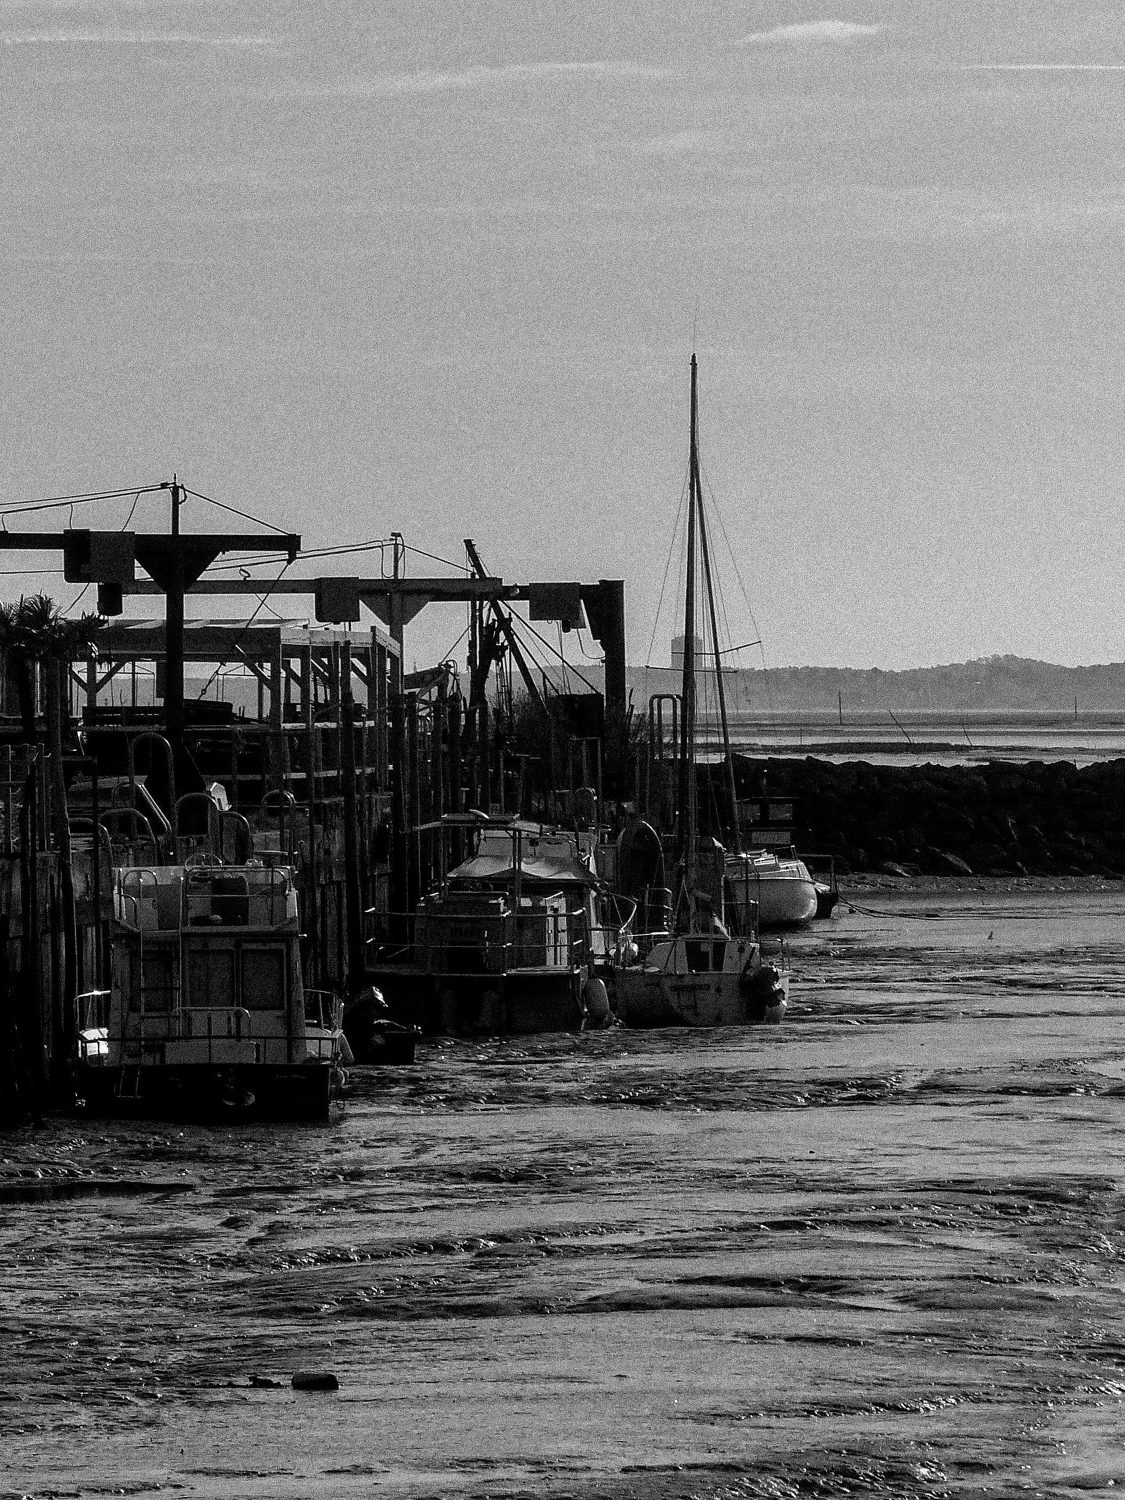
[
  {"x": 779, "y": 885},
  {"x": 703, "y": 970},
  {"x": 207, "y": 1013}
]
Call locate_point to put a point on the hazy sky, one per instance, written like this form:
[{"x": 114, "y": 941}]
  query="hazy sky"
[{"x": 436, "y": 268}]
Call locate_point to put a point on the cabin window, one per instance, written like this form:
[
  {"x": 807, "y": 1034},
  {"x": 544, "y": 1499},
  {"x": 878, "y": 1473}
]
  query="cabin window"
[
  {"x": 705, "y": 955},
  {"x": 158, "y": 980},
  {"x": 263, "y": 978},
  {"x": 211, "y": 978}
]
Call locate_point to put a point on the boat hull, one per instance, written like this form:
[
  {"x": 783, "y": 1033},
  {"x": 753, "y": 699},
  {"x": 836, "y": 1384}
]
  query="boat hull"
[
  {"x": 644, "y": 996},
  {"x": 517, "y": 1002},
  {"x": 786, "y": 902},
  {"x": 204, "y": 1092},
  {"x": 782, "y": 890}
]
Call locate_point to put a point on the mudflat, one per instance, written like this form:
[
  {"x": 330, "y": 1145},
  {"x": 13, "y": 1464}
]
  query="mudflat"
[{"x": 876, "y": 1250}]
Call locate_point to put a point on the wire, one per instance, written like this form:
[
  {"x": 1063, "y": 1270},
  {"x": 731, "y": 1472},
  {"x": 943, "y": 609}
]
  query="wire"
[
  {"x": 267, "y": 559},
  {"x": 57, "y": 502},
  {"x": 448, "y": 655},
  {"x": 677, "y": 534},
  {"x": 526, "y": 625},
  {"x": 234, "y": 511},
  {"x": 238, "y": 638},
  {"x": 432, "y": 557}
]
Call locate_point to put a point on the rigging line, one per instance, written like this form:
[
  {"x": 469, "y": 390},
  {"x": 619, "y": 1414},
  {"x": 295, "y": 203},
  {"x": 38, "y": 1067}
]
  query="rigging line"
[
  {"x": 676, "y": 532},
  {"x": 717, "y": 513},
  {"x": 233, "y": 510},
  {"x": 526, "y": 625},
  {"x": 734, "y": 560},
  {"x": 433, "y": 557},
  {"x": 749, "y": 607},
  {"x": 270, "y": 558},
  {"x": 449, "y": 653},
  {"x": 239, "y": 637}
]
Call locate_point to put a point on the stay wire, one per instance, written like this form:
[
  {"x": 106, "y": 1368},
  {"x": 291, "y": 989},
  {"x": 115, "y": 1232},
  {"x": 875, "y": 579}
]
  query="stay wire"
[
  {"x": 234, "y": 511},
  {"x": 241, "y": 634},
  {"x": 677, "y": 528}
]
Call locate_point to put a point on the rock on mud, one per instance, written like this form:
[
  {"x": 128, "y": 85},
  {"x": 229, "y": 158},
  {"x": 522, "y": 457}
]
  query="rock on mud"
[{"x": 315, "y": 1380}]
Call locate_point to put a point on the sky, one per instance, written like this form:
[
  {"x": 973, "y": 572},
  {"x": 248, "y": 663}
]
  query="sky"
[{"x": 361, "y": 268}]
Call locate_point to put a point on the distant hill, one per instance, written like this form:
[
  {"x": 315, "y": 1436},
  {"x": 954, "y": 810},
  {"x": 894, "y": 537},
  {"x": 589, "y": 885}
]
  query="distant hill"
[{"x": 1010, "y": 684}]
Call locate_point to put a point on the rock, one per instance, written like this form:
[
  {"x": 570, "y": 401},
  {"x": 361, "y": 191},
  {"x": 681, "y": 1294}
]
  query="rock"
[
  {"x": 950, "y": 864},
  {"x": 264, "y": 1383},
  {"x": 315, "y": 1380}
]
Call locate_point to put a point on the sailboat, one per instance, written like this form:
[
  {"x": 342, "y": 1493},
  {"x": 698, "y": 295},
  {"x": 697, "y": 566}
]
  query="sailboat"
[{"x": 704, "y": 969}]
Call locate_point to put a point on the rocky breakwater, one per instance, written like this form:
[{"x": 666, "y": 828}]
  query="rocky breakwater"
[{"x": 1036, "y": 818}]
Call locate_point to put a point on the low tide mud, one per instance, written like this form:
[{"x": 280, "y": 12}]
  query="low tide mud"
[{"x": 875, "y": 1251}]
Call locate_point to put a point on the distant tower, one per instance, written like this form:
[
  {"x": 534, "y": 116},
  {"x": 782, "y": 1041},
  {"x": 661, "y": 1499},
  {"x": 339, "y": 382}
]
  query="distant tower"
[{"x": 678, "y": 652}]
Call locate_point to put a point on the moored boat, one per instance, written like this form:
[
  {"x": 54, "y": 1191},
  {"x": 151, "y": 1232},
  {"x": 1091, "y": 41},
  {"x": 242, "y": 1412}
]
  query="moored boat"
[
  {"x": 207, "y": 1014},
  {"x": 507, "y": 938},
  {"x": 703, "y": 970},
  {"x": 779, "y": 885}
]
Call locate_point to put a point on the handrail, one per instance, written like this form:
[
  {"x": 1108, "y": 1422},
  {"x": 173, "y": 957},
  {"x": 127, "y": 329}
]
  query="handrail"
[
  {"x": 323, "y": 1008},
  {"x": 134, "y": 813},
  {"x": 88, "y": 1006},
  {"x": 131, "y": 746}
]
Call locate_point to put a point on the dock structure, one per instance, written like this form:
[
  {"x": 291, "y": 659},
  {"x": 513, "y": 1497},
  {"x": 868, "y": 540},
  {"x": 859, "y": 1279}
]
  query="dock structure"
[{"x": 333, "y": 760}]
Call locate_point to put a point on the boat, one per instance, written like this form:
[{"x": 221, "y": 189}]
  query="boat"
[
  {"x": 508, "y": 937},
  {"x": 207, "y": 1015},
  {"x": 779, "y": 885},
  {"x": 703, "y": 964}
]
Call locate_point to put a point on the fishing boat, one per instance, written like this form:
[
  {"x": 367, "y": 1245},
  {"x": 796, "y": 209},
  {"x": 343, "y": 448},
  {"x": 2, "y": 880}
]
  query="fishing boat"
[
  {"x": 704, "y": 966},
  {"x": 506, "y": 940},
  {"x": 207, "y": 1014}
]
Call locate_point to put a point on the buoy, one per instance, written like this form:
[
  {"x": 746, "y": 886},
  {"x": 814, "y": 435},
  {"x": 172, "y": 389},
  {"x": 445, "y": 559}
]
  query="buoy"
[{"x": 595, "y": 1002}]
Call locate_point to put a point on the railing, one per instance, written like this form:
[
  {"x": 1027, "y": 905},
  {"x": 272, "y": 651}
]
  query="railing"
[
  {"x": 231, "y": 1021},
  {"x": 459, "y": 941},
  {"x": 92, "y": 1009},
  {"x": 323, "y": 1008}
]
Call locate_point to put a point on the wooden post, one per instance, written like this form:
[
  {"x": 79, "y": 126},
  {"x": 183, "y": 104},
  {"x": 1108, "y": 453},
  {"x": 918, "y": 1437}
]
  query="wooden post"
[{"x": 353, "y": 896}]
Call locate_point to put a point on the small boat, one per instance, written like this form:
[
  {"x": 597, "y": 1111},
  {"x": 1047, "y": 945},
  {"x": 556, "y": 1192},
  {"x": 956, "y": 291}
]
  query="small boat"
[
  {"x": 779, "y": 885},
  {"x": 207, "y": 1015}
]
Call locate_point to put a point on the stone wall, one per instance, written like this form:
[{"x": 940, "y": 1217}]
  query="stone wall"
[{"x": 1037, "y": 818}]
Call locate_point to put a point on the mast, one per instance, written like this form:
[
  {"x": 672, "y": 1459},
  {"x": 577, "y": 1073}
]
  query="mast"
[{"x": 687, "y": 797}]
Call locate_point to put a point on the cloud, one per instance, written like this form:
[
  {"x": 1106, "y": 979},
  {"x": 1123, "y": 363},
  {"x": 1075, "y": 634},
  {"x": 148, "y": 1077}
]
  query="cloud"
[
  {"x": 437, "y": 81},
  {"x": 810, "y": 31},
  {"x": 89, "y": 37},
  {"x": 1045, "y": 68}
]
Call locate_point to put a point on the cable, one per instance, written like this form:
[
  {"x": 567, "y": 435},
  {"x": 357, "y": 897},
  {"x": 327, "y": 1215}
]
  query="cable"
[
  {"x": 432, "y": 557},
  {"x": 677, "y": 533},
  {"x": 270, "y": 558},
  {"x": 56, "y": 502},
  {"x": 238, "y": 638},
  {"x": 233, "y": 510}
]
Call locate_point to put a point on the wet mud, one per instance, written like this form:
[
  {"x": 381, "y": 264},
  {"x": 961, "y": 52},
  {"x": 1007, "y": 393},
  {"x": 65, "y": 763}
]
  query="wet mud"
[{"x": 875, "y": 1251}]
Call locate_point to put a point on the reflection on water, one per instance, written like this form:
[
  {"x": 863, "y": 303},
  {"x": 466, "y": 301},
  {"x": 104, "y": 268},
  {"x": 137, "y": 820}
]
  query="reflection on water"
[{"x": 874, "y": 1251}]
